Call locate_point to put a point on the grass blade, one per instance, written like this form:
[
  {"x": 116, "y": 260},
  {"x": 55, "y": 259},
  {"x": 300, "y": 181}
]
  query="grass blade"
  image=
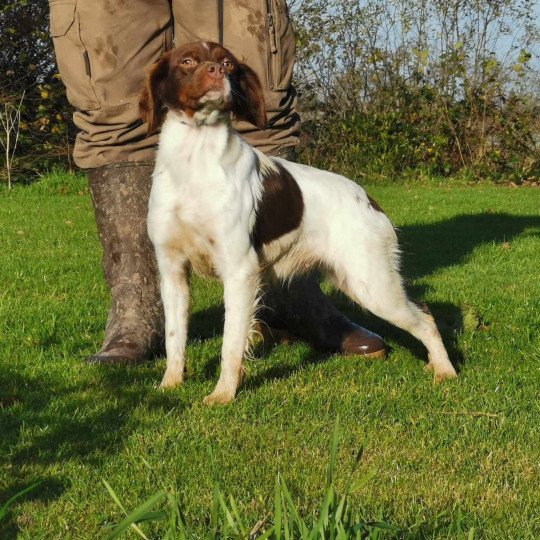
[
  {"x": 382, "y": 525},
  {"x": 226, "y": 511},
  {"x": 333, "y": 454},
  {"x": 291, "y": 507},
  {"x": 114, "y": 496},
  {"x": 361, "y": 482},
  {"x": 177, "y": 526},
  {"x": 267, "y": 534},
  {"x": 214, "y": 516},
  {"x": 236, "y": 513},
  {"x": 139, "y": 514},
  {"x": 11, "y": 500},
  {"x": 277, "y": 510}
]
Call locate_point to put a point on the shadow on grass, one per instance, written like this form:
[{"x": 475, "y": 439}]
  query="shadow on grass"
[
  {"x": 21, "y": 400},
  {"x": 208, "y": 323},
  {"x": 79, "y": 421},
  {"x": 48, "y": 490},
  {"x": 432, "y": 246},
  {"x": 46, "y": 422},
  {"x": 284, "y": 371}
]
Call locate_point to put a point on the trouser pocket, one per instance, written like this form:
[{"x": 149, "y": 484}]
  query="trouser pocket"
[
  {"x": 71, "y": 56},
  {"x": 104, "y": 48}
]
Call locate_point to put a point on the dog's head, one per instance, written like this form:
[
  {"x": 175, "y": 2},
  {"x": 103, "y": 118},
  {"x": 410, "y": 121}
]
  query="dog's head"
[{"x": 204, "y": 81}]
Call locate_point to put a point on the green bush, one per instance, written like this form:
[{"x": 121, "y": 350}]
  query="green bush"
[
  {"x": 413, "y": 87},
  {"x": 427, "y": 135},
  {"x": 28, "y": 71}
]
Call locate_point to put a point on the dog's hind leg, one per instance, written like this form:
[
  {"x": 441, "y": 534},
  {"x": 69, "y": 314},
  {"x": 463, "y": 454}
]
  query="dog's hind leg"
[
  {"x": 240, "y": 290},
  {"x": 378, "y": 288},
  {"x": 174, "y": 273}
]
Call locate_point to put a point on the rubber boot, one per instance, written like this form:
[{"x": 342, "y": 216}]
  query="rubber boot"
[
  {"x": 299, "y": 310},
  {"x": 135, "y": 325}
]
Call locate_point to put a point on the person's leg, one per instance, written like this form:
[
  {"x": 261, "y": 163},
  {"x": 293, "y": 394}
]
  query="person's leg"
[
  {"x": 259, "y": 32},
  {"x": 103, "y": 50}
]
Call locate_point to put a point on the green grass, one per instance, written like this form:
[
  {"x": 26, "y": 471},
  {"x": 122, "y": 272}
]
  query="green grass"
[
  {"x": 335, "y": 518},
  {"x": 461, "y": 455}
]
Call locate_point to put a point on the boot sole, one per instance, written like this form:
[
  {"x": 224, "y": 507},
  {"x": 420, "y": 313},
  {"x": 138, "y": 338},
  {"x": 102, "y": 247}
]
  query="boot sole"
[{"x": 370, "y": 356}]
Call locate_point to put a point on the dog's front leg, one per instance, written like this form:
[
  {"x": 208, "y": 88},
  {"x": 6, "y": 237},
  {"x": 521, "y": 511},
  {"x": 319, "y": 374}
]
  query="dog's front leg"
[
  {"x": 240, "y": 297},
  {"x": 174, "y": 273}
]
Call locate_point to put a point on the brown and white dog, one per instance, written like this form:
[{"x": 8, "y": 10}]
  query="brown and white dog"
[{"x": 223, "y": 208}]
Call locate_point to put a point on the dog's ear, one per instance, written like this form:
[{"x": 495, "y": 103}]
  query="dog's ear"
[
  {"x": 248, "y": 97},
  {"x": 151, "y": 102}
]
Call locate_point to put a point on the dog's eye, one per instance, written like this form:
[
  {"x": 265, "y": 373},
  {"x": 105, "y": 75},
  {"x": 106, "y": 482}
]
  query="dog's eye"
[
  {"x": 226, "y": 64},
  {"x": 188, "y": 62}
]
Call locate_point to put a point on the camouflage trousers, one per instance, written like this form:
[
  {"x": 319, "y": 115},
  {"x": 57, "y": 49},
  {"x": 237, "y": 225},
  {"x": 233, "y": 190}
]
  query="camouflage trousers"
[{"x": 104, "y": 47}]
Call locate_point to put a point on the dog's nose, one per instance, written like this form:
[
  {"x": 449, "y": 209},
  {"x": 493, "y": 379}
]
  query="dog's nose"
[{"x": 215, "y": 71}]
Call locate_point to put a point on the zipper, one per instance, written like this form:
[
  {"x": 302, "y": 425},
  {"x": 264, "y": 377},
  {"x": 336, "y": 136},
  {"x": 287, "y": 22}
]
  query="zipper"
[
  {"x": 220, "y": 21},
  {"x": 273, "y": 56}
]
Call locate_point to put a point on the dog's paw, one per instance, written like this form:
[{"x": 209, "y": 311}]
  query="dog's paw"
[
  {"x": 446, "y": 374},
  {"x": 219, "y": 398},
  {"x": 440, "y": 374},
  {"x": 172, "y": 379}
]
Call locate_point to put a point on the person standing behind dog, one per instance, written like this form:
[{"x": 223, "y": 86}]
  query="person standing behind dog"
[{"x": 103, "y": 48}]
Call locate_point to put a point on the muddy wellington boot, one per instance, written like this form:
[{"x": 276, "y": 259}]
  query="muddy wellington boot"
[
  {"x": 301, "y": 311},
  {"x": 135, "y": 324}
]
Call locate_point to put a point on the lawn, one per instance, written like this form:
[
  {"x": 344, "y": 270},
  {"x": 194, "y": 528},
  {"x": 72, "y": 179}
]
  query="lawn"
[{"x": 463, "y": 455}]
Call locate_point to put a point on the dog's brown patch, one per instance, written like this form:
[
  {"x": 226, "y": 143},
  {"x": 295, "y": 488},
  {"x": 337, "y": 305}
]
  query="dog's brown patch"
[
  {"x": 374, "y": 204},
  {"x": 281, "y": 208}
]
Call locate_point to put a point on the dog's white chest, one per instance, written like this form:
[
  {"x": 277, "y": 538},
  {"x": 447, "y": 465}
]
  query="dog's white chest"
[
  {"x": 179, "y": 220},
  {"x": 204, "y": 194},
  {"x": 191, "y": 233},
  {"x": 195, "y": 210}
]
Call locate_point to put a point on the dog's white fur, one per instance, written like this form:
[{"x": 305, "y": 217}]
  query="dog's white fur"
[{"x": 206, "y": 189}]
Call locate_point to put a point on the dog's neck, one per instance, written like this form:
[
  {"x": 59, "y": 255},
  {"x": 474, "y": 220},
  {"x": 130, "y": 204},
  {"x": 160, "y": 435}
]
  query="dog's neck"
[
  {"x": 208, "y": 115},
  {"x": 184, "y": 137}
]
